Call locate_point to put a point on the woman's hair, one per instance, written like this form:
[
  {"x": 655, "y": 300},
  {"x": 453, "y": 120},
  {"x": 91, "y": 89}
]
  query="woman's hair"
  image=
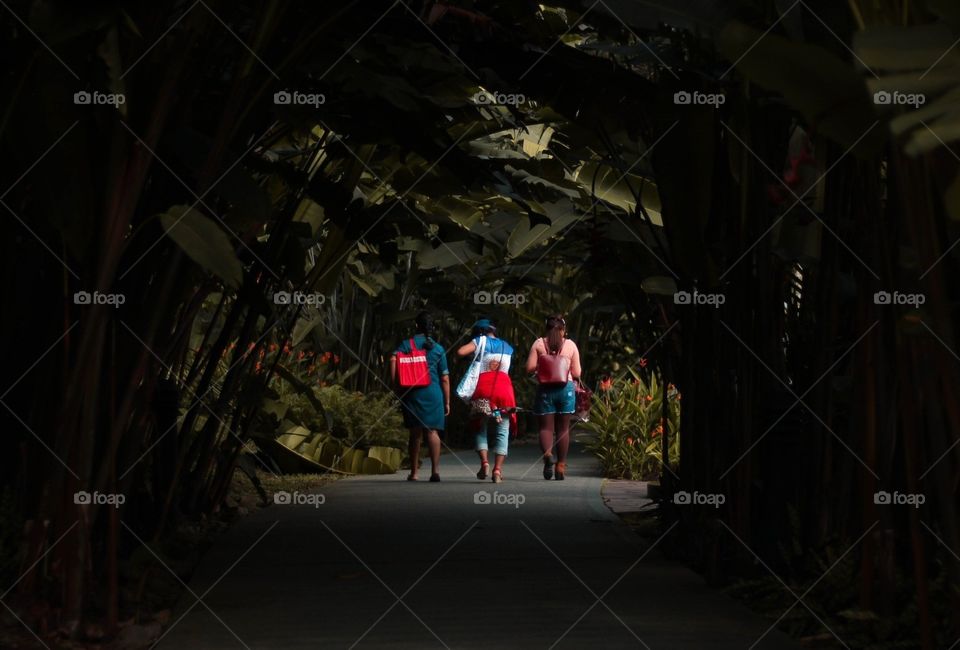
[
  {"x": 554, "y": 330},
  {"x": 426, "y": 326}
]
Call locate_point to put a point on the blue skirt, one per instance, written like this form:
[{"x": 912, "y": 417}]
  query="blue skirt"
[{"x": 423, "y": 407}]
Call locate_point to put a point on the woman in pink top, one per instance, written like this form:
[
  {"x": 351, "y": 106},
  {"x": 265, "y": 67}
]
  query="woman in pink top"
[{"x": 556, "y": 399}]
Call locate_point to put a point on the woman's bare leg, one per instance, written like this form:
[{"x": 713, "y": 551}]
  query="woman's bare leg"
[
  {"x": 416, "y": 435},
  {"x": 563, "y": 437},
  {"x": 433, "y": 444},
  {"x": 546, "y": 435}
]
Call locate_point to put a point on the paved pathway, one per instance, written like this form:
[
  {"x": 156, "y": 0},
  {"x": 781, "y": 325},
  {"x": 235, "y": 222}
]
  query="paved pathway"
[{"x": 386, "y": 563}]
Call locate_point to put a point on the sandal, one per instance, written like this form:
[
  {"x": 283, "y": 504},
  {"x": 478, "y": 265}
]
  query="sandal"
[
  {"x": 561, "y": 470},
  {"x": 434, "y": 478},
  {"x": 497, "y": 476},
  {"x": 482, "y": 474},
  {"x": 548, "y": 468}
]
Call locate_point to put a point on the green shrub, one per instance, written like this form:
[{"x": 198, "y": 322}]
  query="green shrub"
[
  {"x": 370, "y": 418},
  {"x": 626, "y": 420}
]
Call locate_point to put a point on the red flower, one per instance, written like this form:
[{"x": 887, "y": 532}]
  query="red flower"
[
  {"x": 300, "y": 356},
  {"x": 336, "y": 359},
  {"x": 643, "y": 362},
  {"x": 630, "y": 441}
]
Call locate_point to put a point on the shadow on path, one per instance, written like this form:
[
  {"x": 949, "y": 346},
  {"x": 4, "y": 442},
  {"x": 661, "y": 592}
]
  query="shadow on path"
[{"x": 386, "y": 563}]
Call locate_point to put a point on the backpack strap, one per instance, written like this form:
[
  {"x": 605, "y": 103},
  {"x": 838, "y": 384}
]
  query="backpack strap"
[{"x": 546, "y": 347}]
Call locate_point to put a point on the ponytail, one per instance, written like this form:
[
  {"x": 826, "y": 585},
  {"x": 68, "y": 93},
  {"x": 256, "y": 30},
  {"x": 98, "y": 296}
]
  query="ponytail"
[
  {"x": 427, "y": 327},
  {"x": 555, "y": 326}
]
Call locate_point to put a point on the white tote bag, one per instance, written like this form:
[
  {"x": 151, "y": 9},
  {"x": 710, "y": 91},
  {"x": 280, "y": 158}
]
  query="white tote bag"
[{"x": 468, "y": 384}]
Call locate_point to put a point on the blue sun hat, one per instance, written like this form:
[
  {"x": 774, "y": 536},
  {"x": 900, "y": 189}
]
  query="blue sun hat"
[{"x": 482, "y": 324}]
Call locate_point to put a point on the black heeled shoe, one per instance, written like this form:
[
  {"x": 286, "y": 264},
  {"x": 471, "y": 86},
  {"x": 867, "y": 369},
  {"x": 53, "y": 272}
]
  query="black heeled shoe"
[{"x": 548, "y": 468}]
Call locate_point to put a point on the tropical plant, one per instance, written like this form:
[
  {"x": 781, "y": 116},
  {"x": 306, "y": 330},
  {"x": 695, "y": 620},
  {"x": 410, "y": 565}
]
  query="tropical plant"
[{"x": 627, "y": 420}]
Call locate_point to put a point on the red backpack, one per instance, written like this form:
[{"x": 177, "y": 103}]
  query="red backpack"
[{"x": 412, "y": 368}]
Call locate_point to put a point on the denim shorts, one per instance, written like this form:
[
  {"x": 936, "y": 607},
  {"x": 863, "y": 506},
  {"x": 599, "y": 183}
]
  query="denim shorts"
[{"x": 558, "y": 398}]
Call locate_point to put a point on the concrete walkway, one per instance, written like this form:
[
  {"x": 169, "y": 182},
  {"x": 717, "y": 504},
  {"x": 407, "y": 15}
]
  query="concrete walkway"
[{"x": 385, "y": 563}]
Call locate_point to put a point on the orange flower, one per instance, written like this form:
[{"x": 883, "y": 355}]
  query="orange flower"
[
  {"x": 326, "y": 357},
  {"x": 300, "y": 356},
  {"x": 258, "y": 368},
  {"x": 630, "y": 441},
  {"x": 606, "y": 384},
  {"x": 286, "y": 349},
  {"x": 273, "y": 347},
  {"x": 649, "y": 398}
]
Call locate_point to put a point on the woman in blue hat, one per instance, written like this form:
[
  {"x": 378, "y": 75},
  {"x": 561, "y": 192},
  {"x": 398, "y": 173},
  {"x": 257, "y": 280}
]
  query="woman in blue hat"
[{"x": 492, "y": 398}]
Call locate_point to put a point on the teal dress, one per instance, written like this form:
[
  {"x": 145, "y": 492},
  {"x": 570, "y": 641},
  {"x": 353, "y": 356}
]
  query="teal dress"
[{"x": 423, "y": 405}]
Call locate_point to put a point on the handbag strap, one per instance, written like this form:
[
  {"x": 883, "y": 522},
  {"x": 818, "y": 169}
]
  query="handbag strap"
[
  {"x": 481, "y": 347},
  {"x": 413, "y": 344}
]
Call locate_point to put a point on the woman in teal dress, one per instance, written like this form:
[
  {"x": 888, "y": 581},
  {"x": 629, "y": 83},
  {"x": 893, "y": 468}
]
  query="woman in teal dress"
[{"x": 424, "y": 407}]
